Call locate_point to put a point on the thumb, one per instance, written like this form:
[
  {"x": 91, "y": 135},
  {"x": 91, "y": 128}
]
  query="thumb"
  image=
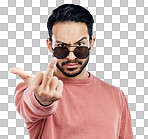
[{"x": 20, "y": 72}]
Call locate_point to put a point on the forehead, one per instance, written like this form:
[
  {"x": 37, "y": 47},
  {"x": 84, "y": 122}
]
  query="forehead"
[{"x": 69, "y": 31}]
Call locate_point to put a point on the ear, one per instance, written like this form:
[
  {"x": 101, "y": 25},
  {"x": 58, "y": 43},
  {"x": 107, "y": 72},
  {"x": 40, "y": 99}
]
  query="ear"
[
  {"x": 92, "y": 41},
  {"x": 49, "y": 45}
]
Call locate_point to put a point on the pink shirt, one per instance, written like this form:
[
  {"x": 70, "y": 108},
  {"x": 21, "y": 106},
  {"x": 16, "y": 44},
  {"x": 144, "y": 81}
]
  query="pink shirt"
[{"x": 88, "y": 109}]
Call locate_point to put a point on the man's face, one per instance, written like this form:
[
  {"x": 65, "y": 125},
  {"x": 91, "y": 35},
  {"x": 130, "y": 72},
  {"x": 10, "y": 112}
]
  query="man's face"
[{"x": 70, "y": 34}]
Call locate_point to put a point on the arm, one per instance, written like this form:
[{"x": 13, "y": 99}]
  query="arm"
[
  {"x": 28, "y": 107},
  {"x": 37, "y": 97},
  {"x": 126, "y": 126}
]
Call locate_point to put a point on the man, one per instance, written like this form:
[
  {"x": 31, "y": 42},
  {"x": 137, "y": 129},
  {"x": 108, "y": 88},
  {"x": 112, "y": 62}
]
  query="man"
[{"x": 68, "y": 102}]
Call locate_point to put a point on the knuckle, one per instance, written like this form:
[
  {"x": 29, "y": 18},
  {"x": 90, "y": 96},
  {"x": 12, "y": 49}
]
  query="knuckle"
[
  {"x": 40, "y": 73},
  {"x": 56, "y": 97},
  {"x": 54, "y": 78},
  {"x": 50, "y": 96},
  {"x": 47, "y": 78},
  {"x": 60, "y": 95},
  {"x": 60, "y": 82},
  {"x": 43, "y": 94}
]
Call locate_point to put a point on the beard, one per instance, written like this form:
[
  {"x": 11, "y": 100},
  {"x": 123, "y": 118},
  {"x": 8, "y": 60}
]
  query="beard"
[{"x": 73, "y": 73}]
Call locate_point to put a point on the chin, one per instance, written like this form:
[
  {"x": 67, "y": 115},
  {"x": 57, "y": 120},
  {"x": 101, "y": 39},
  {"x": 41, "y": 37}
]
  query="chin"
[{"x": 73, "y": 72}]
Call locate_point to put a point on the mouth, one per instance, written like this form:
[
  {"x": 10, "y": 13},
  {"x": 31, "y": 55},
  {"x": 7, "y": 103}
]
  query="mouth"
[{"x": 71, "y": 65}]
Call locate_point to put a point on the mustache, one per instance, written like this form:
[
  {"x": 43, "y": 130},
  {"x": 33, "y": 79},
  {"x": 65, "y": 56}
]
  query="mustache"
[{"x": 74, "y": 61}]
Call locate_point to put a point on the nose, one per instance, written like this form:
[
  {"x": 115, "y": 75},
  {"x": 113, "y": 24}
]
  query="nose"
[{"x": 71, "y": 55}]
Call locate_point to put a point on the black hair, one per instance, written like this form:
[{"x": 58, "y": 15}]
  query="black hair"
[{"x": 70, "y": 12}]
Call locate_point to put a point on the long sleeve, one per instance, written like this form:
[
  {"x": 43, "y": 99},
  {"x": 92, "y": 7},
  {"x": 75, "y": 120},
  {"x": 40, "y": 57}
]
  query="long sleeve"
[
  {"x": 28, "y": 107},
  {"x": 98, "y": 111},
  {"x": 126, "y": 126}
]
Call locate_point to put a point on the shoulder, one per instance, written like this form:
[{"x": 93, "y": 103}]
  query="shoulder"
[
  {"x": 110, "y": 90},
  {"x": 104, "y": 85},
  {"x": 110, "y": 93}
]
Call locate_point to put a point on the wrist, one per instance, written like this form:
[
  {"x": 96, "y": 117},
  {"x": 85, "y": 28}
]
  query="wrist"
[{"x": 43, "y": 103}]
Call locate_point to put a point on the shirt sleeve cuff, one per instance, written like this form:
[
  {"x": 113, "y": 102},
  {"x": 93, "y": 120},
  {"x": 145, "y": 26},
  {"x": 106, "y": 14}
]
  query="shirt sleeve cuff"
[{"x": 36, "y": 107}]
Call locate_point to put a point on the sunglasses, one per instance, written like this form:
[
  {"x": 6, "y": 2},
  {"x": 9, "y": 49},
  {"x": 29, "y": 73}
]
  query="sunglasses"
[{"x": 81, "y": 52}]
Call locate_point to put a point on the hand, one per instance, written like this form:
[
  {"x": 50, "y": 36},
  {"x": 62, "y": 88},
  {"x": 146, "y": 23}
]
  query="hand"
[{"x": 46, "y": 87}]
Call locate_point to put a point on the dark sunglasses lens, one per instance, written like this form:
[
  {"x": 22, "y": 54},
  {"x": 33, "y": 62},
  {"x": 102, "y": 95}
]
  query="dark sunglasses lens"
[
  {"x": 81, "y": 52},
  {"x": 60, "y": 52}
]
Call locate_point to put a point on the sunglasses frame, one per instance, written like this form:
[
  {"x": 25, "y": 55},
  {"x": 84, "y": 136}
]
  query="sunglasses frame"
[{"x": 72, "y": 51}]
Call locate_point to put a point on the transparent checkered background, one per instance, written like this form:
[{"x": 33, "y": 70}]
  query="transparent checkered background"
[{"x": 119, "y": 57}]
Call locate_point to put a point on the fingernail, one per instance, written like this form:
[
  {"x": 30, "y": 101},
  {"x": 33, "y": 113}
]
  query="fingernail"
[
  {"x": 10, "y": 70},
  {"x": 53, "y": 59}
]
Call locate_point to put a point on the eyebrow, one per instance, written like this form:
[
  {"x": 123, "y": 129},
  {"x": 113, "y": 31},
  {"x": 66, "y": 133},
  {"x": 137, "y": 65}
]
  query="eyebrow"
[{"x": 74, "y": 43}]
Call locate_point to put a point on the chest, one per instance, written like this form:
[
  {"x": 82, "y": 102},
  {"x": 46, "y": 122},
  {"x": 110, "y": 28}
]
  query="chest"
[{"x": 90, "y": 111}]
